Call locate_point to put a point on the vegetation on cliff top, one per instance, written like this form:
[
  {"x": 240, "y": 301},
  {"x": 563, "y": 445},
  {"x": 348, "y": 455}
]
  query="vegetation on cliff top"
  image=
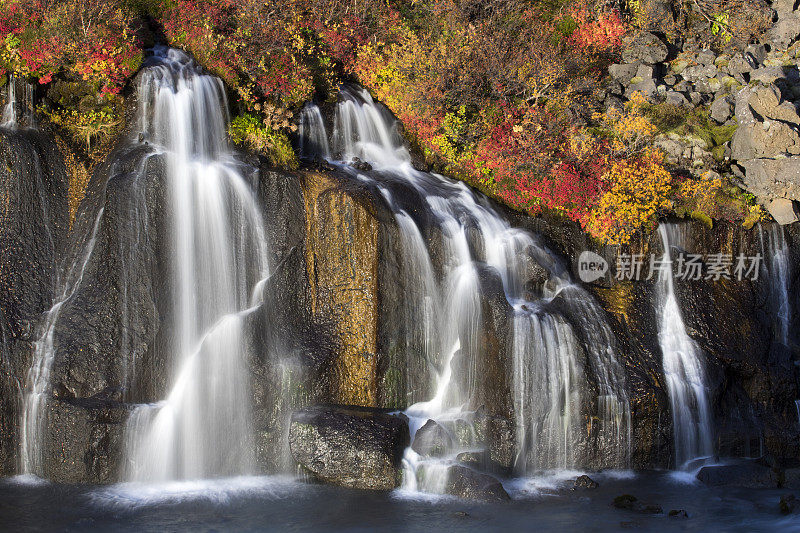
[{"x": 499, "y": 94}]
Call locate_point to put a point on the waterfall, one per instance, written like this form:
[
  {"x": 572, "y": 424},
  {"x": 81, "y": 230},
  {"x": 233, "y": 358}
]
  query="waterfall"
[
  {"x": 9, "y": 116},
  {"x": 683, "y": 365},
  {"x": 203, "y": 427},
  {"x": 778, "y": 274},
  {"x": 559, "y": 340},
  {"x": 37, "y": 389}
]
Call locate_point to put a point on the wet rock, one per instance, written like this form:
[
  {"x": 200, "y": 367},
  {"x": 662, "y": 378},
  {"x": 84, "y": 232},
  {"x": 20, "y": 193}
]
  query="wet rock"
[
  {"x": 432, "y": 440},
  {"x": 360, "y": 164},
  {"x": 349, "y": 446},
  {"x": 791, "y": 478},
  {"x": 749, "y": 474},
  {"x": 678, "y": 513},
  {"x": 789, "y": 504},
  {"x": 625, "y": 501},
  {"x": 467, "y": 483},
  {"x": 632, "y": 503},
  {"x": 645, "y": 47},
  {"x": 585, "y": 482}
]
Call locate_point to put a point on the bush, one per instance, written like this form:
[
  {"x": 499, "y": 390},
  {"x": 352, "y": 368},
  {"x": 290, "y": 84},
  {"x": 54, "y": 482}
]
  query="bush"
[{"x": 248, "y": 131}]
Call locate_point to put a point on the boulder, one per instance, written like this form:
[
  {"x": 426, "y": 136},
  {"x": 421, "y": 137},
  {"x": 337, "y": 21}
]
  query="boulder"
[
  {"x": 784, "y": 31},
  {"x": 632, "y": 503},
  {"x": 623, "y": 73},
  {"x": 585, "y": 482},
  {"x": 741, "y": 64},
  {"x": 767, "y": 74},
  {"x": 721, "y": 109},
  {"x": 698, "y": 72},
  {"x": 749, "y": 474},
  {"x": 357, "y": 447},
  {"x": 766, "y": 101},
  {"x": 789, "y": 504},
  {"x": 783, "y": 211},
  {"x": 791, "y": 478},
  {"x": 772, "y": 178},
  {"x": 645, "y": 47},
  {"x": 755, "y": 138},
  {"x": 678, "y": 513},
  {"x": 467, "y": 483},
  {"x": 677, "y": 99},
  {"x": 432, "y": 440}
]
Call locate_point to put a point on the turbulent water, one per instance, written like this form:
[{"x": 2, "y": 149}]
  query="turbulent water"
[
  {"x": 8, "y": 119},
  {"x": 683, "y": 364},
  {"x": 203, "y": 427},
  {"x": 778, "y": 270},
  {"x": 564, "y": 367}
]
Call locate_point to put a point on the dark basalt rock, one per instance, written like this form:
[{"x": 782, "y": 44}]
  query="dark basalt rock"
[
  {"x": 789, "y": 504},
  {"x": 350, "y": 446},
  {"x": 749, "y": 474},
  {"x": 432, "y": 440},
  {"x": 34, "y": 222},
  {"x": 466, "y": 483},
  {"x": 585, "y": 482},
  {"x": 678, "y": 513},
  {"x": 632, "y": 503}
]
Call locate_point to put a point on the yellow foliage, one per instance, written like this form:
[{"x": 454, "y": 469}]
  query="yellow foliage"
[
  {"x": 637, "y": 190},
  {"x": 631, "y": 132}
]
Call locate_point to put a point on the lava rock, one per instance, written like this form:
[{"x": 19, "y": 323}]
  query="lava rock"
[
  {"x": 721, "y": 109},
  {"x": 632, "y": 503},
  {"x": 356, "y": 447},
  {"x": 789, "y": 504},
  {"x": 645, "y": 47},
  {"x": 585, "y": 482},
  {"x": 432, "y": 440},
  {"x": 749, "y": 474},
  {"x": 467, "y": 483}
]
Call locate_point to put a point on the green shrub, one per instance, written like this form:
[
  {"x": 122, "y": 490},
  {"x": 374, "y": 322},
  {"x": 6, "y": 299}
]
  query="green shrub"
[{"x": 248, "y": 131}]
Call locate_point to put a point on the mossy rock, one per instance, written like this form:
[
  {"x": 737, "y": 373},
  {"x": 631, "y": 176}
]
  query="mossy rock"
[{"x": 703, "y": 219}]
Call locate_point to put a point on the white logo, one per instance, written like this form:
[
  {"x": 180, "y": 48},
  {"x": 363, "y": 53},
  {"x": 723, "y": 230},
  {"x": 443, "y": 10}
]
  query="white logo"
[{"x": 591, "y": 267}]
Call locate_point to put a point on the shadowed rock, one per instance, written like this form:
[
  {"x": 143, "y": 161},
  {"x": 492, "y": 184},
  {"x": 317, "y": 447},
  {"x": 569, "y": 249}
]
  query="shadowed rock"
[{"x": 355, "y": 447}]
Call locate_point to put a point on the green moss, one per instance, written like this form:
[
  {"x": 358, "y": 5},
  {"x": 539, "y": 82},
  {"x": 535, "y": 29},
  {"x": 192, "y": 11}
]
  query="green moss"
[
  {"x": 248, "y": 131},
  {"x": 703, "y": 218}
]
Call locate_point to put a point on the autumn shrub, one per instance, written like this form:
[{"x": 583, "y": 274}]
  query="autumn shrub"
[{"x": 248, "y": 131}]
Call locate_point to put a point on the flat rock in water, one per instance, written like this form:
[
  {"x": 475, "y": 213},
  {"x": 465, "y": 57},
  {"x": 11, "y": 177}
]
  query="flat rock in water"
[
  {"x": 357, "y": 447},
  {"x": 750, "y": 475},
  {"x": 467, "y": 483}
]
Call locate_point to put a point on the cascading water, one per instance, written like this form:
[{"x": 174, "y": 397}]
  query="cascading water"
[
  {"x": 203, "y": 427},
  {"x": 552, "y": 361},
  {"x": 9, "y": 116},
  {"x": 683, "y": 365},
  {"x": 37, "y": 390},
  {"x": 778, "y": 274}
]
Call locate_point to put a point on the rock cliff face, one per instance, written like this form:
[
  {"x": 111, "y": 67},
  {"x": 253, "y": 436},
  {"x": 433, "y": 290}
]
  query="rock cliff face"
[
  {"x": 333, "y": 327},
  {"x": 34, "y": 226}
]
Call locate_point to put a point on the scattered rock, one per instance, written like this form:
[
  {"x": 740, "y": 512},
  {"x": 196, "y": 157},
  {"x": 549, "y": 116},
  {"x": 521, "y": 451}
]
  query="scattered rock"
[
  {"x": 791, "y": 478},
  {"x": 721, "y": 109},
  {"x": 625, "y": 501},
  {"x": 585, "y": 482},
  {"x": 645, "y": 47},
  {"x": 632, "y": 503},
  {"x": 677, "y": 99},
  {"x": 356, "y": 447},
  {"x": 784, "y": 211},
  {"x": 789, "y": 504},
  {"x": 359, "y": 164},
  {"x": 467, "y": 483},
  {"x": 432, "y": 440},
  {"x": 784, "y": 32},
  {"x": 749, "y": 474},
  {"x": 623, "y": 73}
]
